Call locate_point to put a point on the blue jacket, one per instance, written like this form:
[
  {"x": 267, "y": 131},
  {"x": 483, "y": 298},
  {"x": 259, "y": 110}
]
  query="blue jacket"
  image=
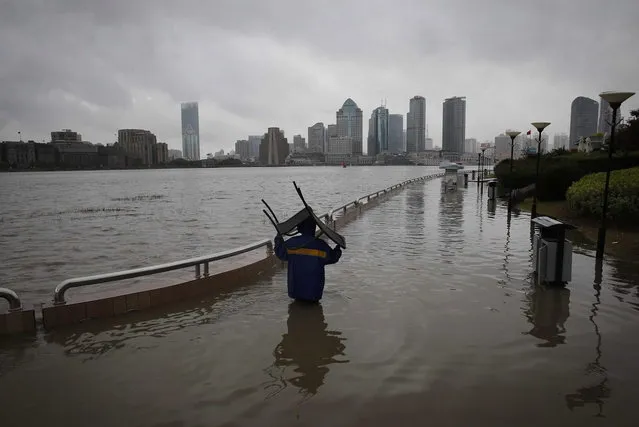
[{"x": 306, "y": 255}]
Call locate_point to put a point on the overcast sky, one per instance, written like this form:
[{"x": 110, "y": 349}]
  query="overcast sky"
[{"x": 99, "y": 65}]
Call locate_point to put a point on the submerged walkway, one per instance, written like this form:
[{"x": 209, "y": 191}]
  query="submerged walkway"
[{"x": 429, "y": 319}]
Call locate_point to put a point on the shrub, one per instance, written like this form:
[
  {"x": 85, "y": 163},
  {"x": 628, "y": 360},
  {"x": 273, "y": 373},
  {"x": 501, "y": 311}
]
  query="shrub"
[
  {"x": 557, "y": 172},
  {"x": 585, "y": 196}
]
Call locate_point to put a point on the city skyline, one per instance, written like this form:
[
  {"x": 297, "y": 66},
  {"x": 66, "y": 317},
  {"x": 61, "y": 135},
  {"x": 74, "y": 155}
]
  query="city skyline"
[{"x": 303, "y": 75}]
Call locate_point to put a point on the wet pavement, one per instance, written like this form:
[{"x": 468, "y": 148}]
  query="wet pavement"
[{"x": 430, "y": 318}]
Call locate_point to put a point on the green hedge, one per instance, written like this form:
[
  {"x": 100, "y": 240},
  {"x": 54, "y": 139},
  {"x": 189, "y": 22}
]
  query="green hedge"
[
  {"x": 557, "y": 172},
  {"x": 585, "y": 195}
]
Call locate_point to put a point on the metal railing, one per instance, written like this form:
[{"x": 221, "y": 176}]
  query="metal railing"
[
  {"x": 58, "y": 294},
  {"x": 368, "y": 197},
  {"x": 198, "y": 262},
  {"x": 12, "y": 298}
]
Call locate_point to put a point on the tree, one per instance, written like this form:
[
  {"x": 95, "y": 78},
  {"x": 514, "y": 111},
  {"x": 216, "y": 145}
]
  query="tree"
[{"x": 629, "y": 133}]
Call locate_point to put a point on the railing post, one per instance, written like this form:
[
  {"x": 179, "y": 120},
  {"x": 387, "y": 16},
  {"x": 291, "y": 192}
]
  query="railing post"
[
  {"x": 197, "y": 271},
  {"x": 269, "y": 248},
  {"x": 12, "y": 298},
  {"x": 206, "y": 269}
]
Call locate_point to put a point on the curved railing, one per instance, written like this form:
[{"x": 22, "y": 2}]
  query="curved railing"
[
  {"x": 368, "y": 197},
  {"x": 203, "y": 261},
  {"x": 12, "y": 298},
  {"x": 58, "y": 294}
]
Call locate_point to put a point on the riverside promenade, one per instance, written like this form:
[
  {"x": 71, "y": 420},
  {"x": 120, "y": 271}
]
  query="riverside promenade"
[{"x": 431, "y": 317}]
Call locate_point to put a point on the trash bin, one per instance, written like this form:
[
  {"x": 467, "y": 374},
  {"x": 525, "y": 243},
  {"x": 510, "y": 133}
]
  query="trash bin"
[
  {"x": 466, "y": 179},
  {"x": 492, "y": 190},
  {"x": 473, "y": 174},
  {"x": 552, "y": 253}
]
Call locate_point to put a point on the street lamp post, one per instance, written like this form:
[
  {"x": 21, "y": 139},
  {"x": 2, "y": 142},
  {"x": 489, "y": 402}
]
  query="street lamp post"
[
  {"x": 512, "y": 134},
  {"x": 483, "y": 164},
  {"x": 478, "y": 167},
  {"x": 615, "y": 99},
  {"x": 540, "y": 126}
]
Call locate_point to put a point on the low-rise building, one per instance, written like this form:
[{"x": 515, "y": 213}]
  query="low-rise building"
[{"x": 77, "y": 155}]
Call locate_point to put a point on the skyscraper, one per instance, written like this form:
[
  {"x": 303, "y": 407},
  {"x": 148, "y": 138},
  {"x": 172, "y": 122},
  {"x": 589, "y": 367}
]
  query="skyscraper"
[
  {"x": 470, "y": 145},
  {"x": 454, "y": 127},
  {"x": 428, "y": 145},
  {"x": 254, "y": 142},
  {"x": 583, "y": 119},
  {"x": 502, "y": 147},
  {"x": 331, "y": 131},
  {"x": 274, "y": 147},
  {"x": 560, "y": 140},
  {"x": 190, "y": 131},
  {"x": 317, "y": 138},
  {"x": 299, "y": 144},
  {"x": 605, "y": 117},
  {"x": 349, "y": 124},
  {"x": 242, "y": 149},
  {"x": 416, "y": 125},
  {"x": 378, "y": 131},
  {"x": 395, "y": 133}
]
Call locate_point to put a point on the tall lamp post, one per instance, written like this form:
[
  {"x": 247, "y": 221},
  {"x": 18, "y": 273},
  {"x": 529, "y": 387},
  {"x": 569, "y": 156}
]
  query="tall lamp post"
[
  {"x": 540, "y": 126},
  {"x": 615, "y": 99},
  {"x": 512, "y": 134},
  {"x": 483, "y": 164}
]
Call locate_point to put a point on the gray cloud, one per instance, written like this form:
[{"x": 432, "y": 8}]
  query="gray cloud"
[{"x": 97, "y": 66}]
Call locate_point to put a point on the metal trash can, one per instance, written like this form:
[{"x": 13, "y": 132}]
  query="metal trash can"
[
  {"x": 465, "y": 179},
  {"x": 492, "y": 190},
  {"x": 552, "y": 253}
]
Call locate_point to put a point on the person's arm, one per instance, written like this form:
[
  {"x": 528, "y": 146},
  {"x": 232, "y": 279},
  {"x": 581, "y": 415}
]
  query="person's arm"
[
  {"x": 333, "y": 254},
  {"x": 280, "y": 248}
]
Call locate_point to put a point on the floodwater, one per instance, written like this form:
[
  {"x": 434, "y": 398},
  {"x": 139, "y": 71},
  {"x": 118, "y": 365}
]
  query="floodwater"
[
  {"x": 59, "y": 225},
  {"x": 430, "y": 318}
]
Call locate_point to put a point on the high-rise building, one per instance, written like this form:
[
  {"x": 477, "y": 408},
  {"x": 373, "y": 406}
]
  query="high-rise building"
[
  {"x": 349, "y": 123},
  {"x": 378, "y": 132},
  {"x": 274, "y": 147},
  {"x": 242, "y": 149},
  {"x": 299, "y": 144},
  {"x": 161, "y": 153},
  {"x": 254, "y": 146},
  {"x": 454, "y": 126},
  {"x": 583, "y": 119},
  {"x": 502, "y": 147},
  {"x": 175, "y": 154},
  {"x": 340, "y": 145},
  {"x": 428, "y": 144},
  {"x": 605, "y": 117},
  {"x": 395, "y": 133},
  {"x": 331, "y": 131},
  {"x": 190, "y": 131},
  {"x": 139, "y": 144},
  {"x": 470, "y": 145},
  {"x": 317, "y": 138},
  {"x": 560, "y": 140},
  {"x": 416, "y": 125},
  {"x": 404, "y": 141}
]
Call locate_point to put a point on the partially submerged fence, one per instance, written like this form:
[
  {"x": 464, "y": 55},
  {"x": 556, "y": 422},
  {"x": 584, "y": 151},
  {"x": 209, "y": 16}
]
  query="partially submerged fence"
[{"x": 60, "y": 312}]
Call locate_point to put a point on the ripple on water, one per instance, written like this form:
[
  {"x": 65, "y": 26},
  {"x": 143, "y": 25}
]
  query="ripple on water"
[{"x": 426, "y": 315}]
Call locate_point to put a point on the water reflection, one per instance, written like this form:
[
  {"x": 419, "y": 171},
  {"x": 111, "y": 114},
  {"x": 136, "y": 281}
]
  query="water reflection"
[
  {"x": 507, "y": 249},
  {"x": 548, "y": 311},
  {"x": 415, "y": 216},
  {"x": 600, "y": 391},
  {"x": 309, "y": 347},
  {"x": 451, "y": 221},
  {"x": 98, "y": 337},
  {"x": 492, "y": 207}
]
